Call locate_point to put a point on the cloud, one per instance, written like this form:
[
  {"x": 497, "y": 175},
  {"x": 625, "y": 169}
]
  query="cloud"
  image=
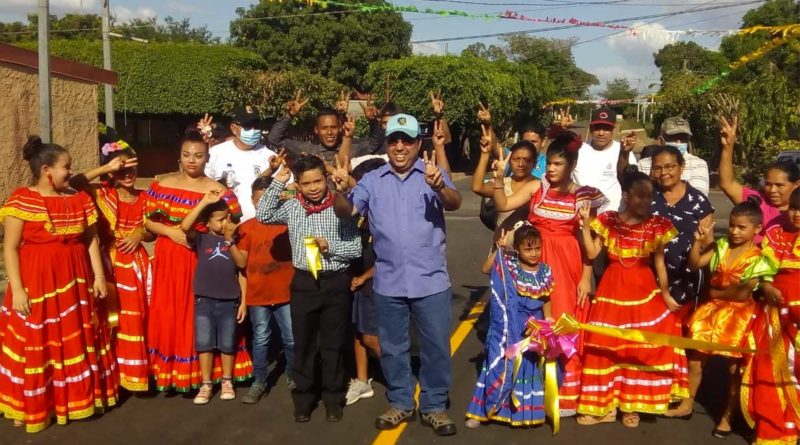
[
  {"x": 183, "y": 8},
  {"x": 427, "y": 49},
  {"x": 639, "y": 50},
  {"x": 58, "y": 7},
  {"x": 123, "y": 14}
]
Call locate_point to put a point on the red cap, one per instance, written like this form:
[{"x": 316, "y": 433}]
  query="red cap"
[{"x": 603, "y": 116}]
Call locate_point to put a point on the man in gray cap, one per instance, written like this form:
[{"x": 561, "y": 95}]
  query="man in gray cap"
[{"x": 675, "y": 131}]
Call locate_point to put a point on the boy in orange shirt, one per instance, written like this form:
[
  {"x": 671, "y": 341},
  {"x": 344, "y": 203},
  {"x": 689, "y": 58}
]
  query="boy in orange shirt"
[{"x": 269, "y": 272}]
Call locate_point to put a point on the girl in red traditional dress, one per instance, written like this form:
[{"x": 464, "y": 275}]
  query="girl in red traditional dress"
[
  {"x": 170, "y": 333},
  {"x": 770, "y": 391},
  {"x": 617, "y": 374},
  {"x": 737, "y": 266},
  {"x": 56, "y": 358},
  {"x": 121, "y": 229},
  {"x": 554, "y": 211}
]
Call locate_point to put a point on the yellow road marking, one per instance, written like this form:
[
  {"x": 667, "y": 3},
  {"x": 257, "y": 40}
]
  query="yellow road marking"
[{"x": 391, "y": 437}]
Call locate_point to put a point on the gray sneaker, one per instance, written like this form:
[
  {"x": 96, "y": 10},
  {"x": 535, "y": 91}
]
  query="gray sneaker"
[
  {"x": 359, "y": 390},
  {"x": 440, "y": 422},
  {"x": 257, "y": 390}
]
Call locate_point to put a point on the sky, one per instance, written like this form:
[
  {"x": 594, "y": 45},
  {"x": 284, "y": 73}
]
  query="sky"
[{"x": 604, "y": 52}]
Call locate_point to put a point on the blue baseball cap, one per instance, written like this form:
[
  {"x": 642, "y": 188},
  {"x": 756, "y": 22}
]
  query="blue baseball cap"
[{"x": 403, "y": 123}]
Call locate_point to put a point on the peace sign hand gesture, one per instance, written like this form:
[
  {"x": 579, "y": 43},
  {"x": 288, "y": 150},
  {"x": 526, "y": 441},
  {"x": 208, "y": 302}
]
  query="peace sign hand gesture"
[
  {"x": 437, "y": 104},
  {"x": 204, "y": 127},
  {"x": 120, "y": 163},
  {"x": 276, "y": 161},
  {"x": 500, "y": 165},
  {"x": 283, "y": 174},
  {"x": 433, "y": 176},
  {"x": 294, "y": 106},
  {"x": 370, "y": 112},
  {"x": 565, "y": 119},
  {"x": 341, "y": 176},
  {"x": 342, "y": 104},
  {"x": 438, "y": 135},
  {"x": 484, "y": 114},
  {"x": 727, "y": 131},
  {"x": 705, "y": 233},
  {"x": 486, "y": 139},
  {"x": 349, "y": 127},
  {"x": 502, "y": 239},
  {"x": 629, "y": 141},
  {"x": 585, "y": 212}
]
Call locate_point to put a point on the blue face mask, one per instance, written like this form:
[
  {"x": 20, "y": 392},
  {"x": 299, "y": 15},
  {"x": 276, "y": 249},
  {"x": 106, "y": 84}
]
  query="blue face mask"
[
  {"x": 683, "y": 147},
  {"x": 250, "y": 137}
]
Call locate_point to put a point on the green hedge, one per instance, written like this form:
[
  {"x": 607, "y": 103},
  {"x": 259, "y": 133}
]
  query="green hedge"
[{"x": 162, "y": 78}]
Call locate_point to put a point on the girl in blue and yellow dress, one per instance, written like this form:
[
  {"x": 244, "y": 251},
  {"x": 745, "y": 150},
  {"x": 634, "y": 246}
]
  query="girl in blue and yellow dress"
[{"x": 521, "y": 287}]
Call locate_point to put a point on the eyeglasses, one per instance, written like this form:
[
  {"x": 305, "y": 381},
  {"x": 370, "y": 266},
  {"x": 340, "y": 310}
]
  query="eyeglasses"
[{"x": 664, "y": 168}]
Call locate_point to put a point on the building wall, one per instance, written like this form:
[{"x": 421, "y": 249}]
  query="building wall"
[{"x": 73, "y": 118}]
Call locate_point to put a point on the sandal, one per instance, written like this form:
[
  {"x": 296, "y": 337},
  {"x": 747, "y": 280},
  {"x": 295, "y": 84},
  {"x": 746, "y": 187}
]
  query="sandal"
[
  {"x": 587, "y": 420},
  {"x": 631, "y": 420},
  {"x": 227, "y": 393}
]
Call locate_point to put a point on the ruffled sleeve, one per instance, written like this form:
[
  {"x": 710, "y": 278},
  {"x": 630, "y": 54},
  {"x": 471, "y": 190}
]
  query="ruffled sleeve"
[
  {"x": 602, "y": 224},
  {"x": 89, "y": 209},
  {"x": 595, "y": 197},
  {"x": 25, "y": 205},
  {"x": 662, "y": 231},
  {"x": 762, "y": 267},
  {"x": 233, "y": 205},
  {"x": 153, "y": 207}
]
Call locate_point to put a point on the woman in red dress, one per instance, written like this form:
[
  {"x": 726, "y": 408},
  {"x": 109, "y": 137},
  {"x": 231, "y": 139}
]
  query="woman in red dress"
[
  {"x": 554, "y": 211},
  {"x": 618, "y": 374},
  {"x": 170, "y": 326},
  {"x": 56, "y": 358},
  {"x": 770, "y": 392},
  {"x": 121, "y": 230}
]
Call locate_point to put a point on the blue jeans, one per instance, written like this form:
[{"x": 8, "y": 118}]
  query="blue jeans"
[
  {"x": 432, "y": 316},
  {"x": 260, "y": 320},
  {"x": 215, "y": 325}
]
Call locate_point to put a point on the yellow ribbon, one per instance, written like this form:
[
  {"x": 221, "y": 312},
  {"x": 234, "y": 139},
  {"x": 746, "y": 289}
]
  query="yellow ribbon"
[
  {"x": 569, "y": 325},
  {"x": 780, "y": 367},
  {"x": 313, "y": 256},
  {"x": 551, "y": 408}
]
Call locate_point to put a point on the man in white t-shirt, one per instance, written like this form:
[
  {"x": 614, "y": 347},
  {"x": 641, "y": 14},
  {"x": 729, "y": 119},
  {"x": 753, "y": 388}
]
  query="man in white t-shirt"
[
  {"x": 597, "y": 164},
  {"x": 239, "y": 161}
]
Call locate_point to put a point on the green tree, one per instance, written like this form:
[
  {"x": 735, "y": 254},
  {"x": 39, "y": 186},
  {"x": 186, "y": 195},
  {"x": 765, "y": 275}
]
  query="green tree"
[
  {"x": 617, "y": 89},
  {"x": 329, "y": 41},
  {"x": 688, "y": 56},
  {"x": 170, "y": 30},
  {"x": 492, "y": 52}
]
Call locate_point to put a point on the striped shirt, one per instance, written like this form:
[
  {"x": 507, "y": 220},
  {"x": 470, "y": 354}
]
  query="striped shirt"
[
  {"x": 344, "y": 240},
  {"x": 695, "y": 172}
]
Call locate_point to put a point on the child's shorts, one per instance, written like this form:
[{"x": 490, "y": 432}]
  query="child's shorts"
[
  {"x": 214, "y": 324},
  {"x": 364, "y": 317}
]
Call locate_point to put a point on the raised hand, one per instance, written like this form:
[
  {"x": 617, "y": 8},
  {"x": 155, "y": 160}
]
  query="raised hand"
[
  {"x": 204, "y": 127},
  {"x": 211, "y": 197},
  {"x": 294, "y": 106},
  {"x": 433, "y": 176},
  {"x": 370, "y": 111},
  {"x": 629, "y": 141},
  {"x": 565, "y": 119},
  {"x": 229, "y": 228},
  {"x": 585, "y": 211},
  {"x": 283, "y": 174},
  {"x": 342, "y": 105},
  {"x": 484, "y": 114},
  {"x": 500, "y": 165},
  {"x": 276, "y": 161},
  {"x": 341, "y": 176},
  {"x": 705, "y": 233},
  {"x": 437, "y": 104},
  {"x": 438, "y": 135},
  {"x": 502, "y": 239},
  {"x": 349, "y": 127},
  {"x": 727, "y": 131},
  {"x": 120, "y": 163},
  {"x": 486, "y": 139}
]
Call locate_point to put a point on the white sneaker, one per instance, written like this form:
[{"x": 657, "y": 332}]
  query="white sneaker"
[{"x": 359, "y": 390}]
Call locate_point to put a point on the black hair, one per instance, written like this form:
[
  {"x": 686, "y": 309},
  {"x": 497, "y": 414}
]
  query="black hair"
[
  {"x": 220, "y": 132},
  {"x": 39, "y": 154},
  {"x": 533, "y": 127},
  {"x": 794, "y": 199},
  {"x": 661, "y": 149},
  {"x": 526, "y": 234},
  {"x": 751, "y": 208},
  {"x": 525, "y": 145},
  {"x": 367, "y": 166},
  {"x": 791, "y": 169},
  {"x": 390, "y": 109},
  {"x": 191, "y": 135},
  {"x": 631, "y": 176},
  {"x": 219, "y": 206},
  {"x": 648, "y": 150},
  {"x": 566, "y": 145},
  {"x": 261, "y": 183},
  {"x": 306, "y": 162},
  {"x": 327, "y": 112}
]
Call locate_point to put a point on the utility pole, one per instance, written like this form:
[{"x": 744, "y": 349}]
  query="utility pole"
[
  {"x": 45, "y": 109},
  {"x": 109, "y": 90}
]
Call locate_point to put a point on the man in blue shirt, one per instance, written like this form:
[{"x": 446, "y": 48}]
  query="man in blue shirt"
[{"x": 405, "y": 202}]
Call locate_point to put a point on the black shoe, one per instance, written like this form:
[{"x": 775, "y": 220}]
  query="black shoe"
[
  {"x": 302, "y": 417},
  {"x": 334, "y": 413},
  {"x": 720, "y": 434},
  {"x": 440, "y": 422},
  {"x": 394, "y": 417}
]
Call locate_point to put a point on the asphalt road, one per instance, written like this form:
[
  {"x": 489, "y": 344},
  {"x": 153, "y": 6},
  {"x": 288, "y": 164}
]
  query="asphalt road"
[{"x": 173, "y": 419}]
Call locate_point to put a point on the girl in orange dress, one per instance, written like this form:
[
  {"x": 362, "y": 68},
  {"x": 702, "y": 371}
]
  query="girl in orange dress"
[
  {"x": 56, "y": 358},
  {"x": 121, "y": 229},
  {"x": 770, "y": 393},
  {"x": 170, "y": 326},
  {"x": 554, "y": 211},
  {"x": 736, "y": 267},
  {"x": 619, "y": 374}
]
